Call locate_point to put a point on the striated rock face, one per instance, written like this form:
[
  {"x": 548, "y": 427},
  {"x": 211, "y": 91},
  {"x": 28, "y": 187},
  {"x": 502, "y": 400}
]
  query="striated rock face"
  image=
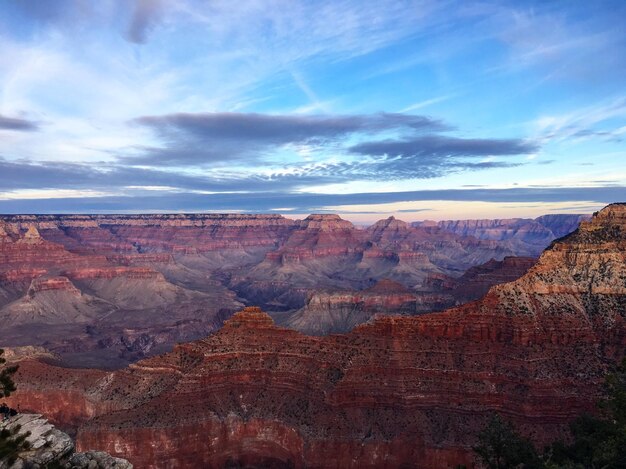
[
  {"x": 325, "y": 253},
  {"x": 327, "y": 312},
  {"x": 561, "y": 224},
  {"x": 400, "y": 391},
  {"x": 524, "y": 236},
  {"x": 102, "y": 290},
  {"x": 338, "y": 312},
  {"x": 49, "y": 447},
  {"x": 87, "y": 307},
  {"x": 53, "y": 300}
]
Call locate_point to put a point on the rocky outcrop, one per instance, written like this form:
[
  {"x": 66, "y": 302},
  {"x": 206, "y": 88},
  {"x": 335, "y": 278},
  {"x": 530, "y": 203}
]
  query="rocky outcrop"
[
  {"x": 400, "y": 391},
  {"x": 327, "y": 312},
  {"x": 50, "y": 447},
  {"x": 325, "y": 252}
]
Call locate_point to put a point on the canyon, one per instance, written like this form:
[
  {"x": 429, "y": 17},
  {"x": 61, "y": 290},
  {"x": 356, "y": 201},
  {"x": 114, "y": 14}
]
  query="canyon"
[
  {"x": 107, "y": 290},
  {"x": 397, "y": 391}
]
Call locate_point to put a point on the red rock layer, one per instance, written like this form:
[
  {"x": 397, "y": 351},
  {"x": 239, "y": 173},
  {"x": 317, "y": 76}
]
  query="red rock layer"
[
  {"x": 253, "y": 255},
  {"x": 114, "y": 272},
  {"x": 125, "y": 233},
  {"x": 79, "y": 302},
  {"x": 399, "y": 392},
  {"x": 320, "y": 236}
]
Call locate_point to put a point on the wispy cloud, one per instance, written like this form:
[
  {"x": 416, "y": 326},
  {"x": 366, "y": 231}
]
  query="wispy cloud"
[
  {"x": 584, "y": 122},
  {"x": 426, "y": 103},
  {"x": 145, "y": 16},
  {"x": 307, "y": 203}
]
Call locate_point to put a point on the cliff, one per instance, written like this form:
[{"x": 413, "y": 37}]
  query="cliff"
[
  {"x": 91, "y": 307},
  {"x": 523, "y": 236},
  {"x": 400, "y": 391}
]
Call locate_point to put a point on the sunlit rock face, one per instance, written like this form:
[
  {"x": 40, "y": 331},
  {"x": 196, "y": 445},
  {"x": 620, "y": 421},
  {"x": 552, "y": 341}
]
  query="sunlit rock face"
[{"x": 399, "y": 391}]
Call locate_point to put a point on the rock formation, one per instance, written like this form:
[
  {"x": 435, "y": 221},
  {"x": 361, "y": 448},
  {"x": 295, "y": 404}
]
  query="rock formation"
[
  {"x": 48, "y": 294},
  {"x": 524, "y": 236},
  {"x": 475, "y": 282},
  {"x": 103, "y": 290},
  {"x": 50, "y": 447},
  {"x": 331, "y": 312},
  {"x": 340, "y": 311},
  {"x": 400, "y": 391}
]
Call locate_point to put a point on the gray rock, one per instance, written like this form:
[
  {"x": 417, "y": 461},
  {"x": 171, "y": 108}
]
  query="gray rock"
[{"x": 48, "y": 444}]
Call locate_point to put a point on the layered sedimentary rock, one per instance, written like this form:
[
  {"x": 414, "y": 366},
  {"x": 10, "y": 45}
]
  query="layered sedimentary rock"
[
  {"x": 82, "y": 302},
  {"x": 340, "y": 311},
  {"x": 327, "y": 312},
  {"x": 122, "y": 286},
  {"x": 158, "y": 232},
  {"x": 561, "y": 224},
  {"x": 326, "y": 252},
  {"x": 401, "y": 391},
  {"x": 523, "y": 236}
]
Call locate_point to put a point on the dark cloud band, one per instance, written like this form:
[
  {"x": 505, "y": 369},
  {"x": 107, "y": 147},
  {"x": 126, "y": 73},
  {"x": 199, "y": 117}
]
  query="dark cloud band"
[
  {"x": 14, "y": 123},
  {"x": 304, "y": 202},
  {"x": 436, "y": 146},
  {"x": 210, "y": 137}
]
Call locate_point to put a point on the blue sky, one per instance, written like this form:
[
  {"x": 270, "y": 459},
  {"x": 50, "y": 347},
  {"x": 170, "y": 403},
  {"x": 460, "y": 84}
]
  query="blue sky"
[{"x": 420, "y": 109}]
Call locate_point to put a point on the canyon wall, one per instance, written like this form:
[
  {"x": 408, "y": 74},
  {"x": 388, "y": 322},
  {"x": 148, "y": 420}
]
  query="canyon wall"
[
  {"x": 399, "y": 391},
  {"x": 106, "y": 290}
]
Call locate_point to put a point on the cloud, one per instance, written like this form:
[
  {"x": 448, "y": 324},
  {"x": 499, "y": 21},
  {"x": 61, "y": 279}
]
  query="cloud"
[
  {"x": 192, "y": 140},
  {"x": 14, "y": 123},
  {"x": 146, "y": 15},
  {"x": 57, "y": 11},
  {"x": 58, "y": 175},
  {"x": 602, "y": 120},
  {"x": 203, "y": 138},
  {"x": 304, "y": 202},
  {"x": 435, "y": 147},
  {"x": 27, "y": 175}
]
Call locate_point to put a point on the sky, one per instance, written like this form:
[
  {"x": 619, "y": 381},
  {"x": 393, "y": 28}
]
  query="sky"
[{"x": 417, "y": 109}]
